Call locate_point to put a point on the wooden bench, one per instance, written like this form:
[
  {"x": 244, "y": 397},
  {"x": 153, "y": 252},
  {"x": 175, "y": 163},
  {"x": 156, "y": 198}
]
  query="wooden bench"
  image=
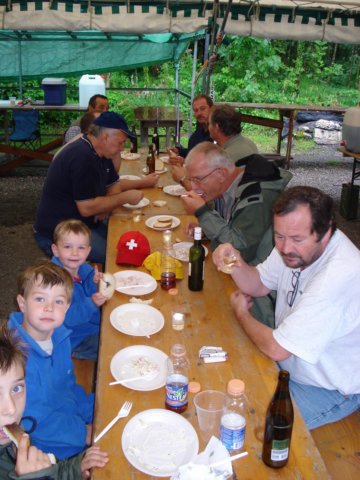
[
  {"x": 85, "y": 374},
  {"x": 339, "y": 446}
]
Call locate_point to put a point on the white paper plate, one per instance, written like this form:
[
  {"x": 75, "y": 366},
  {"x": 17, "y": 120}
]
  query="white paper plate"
[
  {"x": 138, "y": 361},
  {"x": 137, "y": 319},
  {"x": 164, "y": 170},
  {"x": 157, "y": 442},
  {"x": 129, "y": 177},
  {"x": 181, "y": 250},
  {"x": 174, "y": 190},
  {"x": 149, "y": 222},
  {"x": 130, "y": 156},
  {"x": 132, "y": 282},
  {"x": 143, "y": 202}
]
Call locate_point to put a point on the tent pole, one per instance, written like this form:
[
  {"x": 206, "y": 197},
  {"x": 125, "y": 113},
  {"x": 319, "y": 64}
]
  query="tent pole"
[
  {"x": 193, "y": 84},
  {"x": 206, "y": 56},
  {"x": 20, "y": 69},
  {"x": 177, "y": 102}
]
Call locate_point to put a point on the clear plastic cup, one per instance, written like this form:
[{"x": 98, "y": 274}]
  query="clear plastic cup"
[{"x": 209, "y": 405}]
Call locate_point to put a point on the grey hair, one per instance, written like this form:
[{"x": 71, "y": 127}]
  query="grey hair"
[
  {"x": 214, "y": 155},
  {"x": 97, "y": 130}
]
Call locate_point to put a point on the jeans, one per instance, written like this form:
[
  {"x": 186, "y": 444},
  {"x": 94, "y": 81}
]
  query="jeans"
[
  {"x": 88, "y": 348},
  {"x": 319, "y": 406},
  {"x": 98, "y": 243}
]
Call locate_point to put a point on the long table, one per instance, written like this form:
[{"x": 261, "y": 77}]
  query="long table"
[
  {"x": 284, "y": 111},
  {"x": 23, "y": 155},
  {"x": 209, "y": 321}
]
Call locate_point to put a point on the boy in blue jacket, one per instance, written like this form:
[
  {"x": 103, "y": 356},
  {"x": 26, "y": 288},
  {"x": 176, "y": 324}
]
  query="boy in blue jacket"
[
  {"x": 20, "y": 460},
  {"x": 71, "y": 248},
  {"x": 59, "y": 412}
]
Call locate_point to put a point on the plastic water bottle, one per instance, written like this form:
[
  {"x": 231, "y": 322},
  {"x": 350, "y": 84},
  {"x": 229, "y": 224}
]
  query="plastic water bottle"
[
  {"x": 177, "y": 380},
  {"x": 233, "y": 420}
]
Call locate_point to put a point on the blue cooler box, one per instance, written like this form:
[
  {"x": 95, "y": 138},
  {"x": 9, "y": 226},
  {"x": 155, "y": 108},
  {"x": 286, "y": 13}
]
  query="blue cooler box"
[{"x": 54, "y": 91}]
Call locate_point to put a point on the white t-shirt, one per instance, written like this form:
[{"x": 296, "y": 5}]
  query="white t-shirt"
[{"x": 322, "y": 328}]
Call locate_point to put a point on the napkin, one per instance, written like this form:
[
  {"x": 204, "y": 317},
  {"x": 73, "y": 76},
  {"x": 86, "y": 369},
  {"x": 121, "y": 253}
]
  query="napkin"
[
  {"x": 153, "y": 262},
  {"x": 200, "y": 470}
]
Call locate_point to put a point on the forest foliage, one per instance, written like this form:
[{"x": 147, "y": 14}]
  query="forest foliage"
[{"x": 247, "y": 70}]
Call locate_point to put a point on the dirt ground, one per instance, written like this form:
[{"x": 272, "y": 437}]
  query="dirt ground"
[{"x": 20, "y": 194}]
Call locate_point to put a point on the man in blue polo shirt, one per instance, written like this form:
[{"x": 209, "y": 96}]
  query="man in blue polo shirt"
[{"x": 82, "y": 183}]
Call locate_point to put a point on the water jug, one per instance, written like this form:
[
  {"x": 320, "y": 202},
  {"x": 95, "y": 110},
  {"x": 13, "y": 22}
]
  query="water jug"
[{"x": 90, "y": 85}]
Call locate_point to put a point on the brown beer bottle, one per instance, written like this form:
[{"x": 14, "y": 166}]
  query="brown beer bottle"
[
  {"x": 134, "y": 144},
  {"x": 278, "y": 425},
  {"x": 156, "y": 141},
  {"x": 150, "y": 160}
]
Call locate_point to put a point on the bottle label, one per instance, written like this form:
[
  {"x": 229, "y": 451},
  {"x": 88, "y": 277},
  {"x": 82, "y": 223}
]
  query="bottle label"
[
  {"x": 232, "y": 431},
  {"x": 176, "y": 394},
  {"x": 279, "y": 450}
]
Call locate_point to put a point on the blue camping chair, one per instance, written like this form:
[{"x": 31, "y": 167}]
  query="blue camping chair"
[{"x": 26, "y": 128}]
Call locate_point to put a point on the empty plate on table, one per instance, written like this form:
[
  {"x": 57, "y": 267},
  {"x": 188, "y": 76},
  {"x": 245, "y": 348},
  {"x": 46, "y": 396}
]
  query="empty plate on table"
[
  {"x": 130, "y": 156},
  {"x": 133, "y": 282},
  {"x": 137, "y": 319},
  {"x": 140, "y": 361},
  {"x": 162, "y": 222},
  {"x": 181, "y": 250},
  {"x": 157, "y": 442},
  {"x": 145, "y": 170},
  {"x": 143, "y": 202},
  {"x": 174, "y": 190},
  {"x": 129, "y": 177}
]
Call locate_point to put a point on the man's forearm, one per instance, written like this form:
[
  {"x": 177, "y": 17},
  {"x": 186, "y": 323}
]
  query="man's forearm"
[
  {"x": 248, "y": 280},
  {"x": 262, "y": 336},
  {"x": 104, "y": 204}
]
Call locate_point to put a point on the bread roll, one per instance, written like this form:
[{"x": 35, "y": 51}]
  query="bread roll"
[
  {"x": 14, "y": 432},
  {"x": 107, "y": 285}
]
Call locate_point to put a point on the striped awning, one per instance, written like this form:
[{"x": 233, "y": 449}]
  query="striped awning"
[{"x": 328, "y": 20}]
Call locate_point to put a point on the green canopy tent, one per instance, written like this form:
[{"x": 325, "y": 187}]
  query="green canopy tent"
[{"x": 41, "y": 38}]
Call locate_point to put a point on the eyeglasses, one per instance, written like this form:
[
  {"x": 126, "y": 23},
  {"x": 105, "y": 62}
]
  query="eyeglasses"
[
  {"x": 295, "y": 285},
  {"x": 198, "y": 180}
]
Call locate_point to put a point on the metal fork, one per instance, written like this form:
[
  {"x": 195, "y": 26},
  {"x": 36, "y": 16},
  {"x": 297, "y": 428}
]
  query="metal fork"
[{"x": 123, "y": 412}]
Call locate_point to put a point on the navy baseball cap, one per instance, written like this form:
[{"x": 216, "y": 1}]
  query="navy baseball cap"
[{"x": 113, "y": 120}]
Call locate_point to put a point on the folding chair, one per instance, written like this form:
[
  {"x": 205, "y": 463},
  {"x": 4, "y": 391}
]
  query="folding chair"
[{"x": 26, "y": 128}]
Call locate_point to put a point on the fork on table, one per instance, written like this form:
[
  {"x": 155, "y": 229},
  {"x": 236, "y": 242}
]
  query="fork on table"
[{"x": 122, "y": 413}]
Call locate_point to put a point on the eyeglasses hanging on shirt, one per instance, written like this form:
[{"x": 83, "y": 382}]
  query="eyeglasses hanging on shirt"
[{"x": 295, "y": 287}]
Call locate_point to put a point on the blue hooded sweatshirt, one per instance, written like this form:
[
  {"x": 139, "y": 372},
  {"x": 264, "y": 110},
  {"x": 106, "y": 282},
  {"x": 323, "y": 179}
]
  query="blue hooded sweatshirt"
[
  {"x": 61, "y": 408},
  {"x": 83, "y": 316}
]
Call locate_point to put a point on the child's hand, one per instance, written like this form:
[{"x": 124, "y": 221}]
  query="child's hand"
[
  {"x": 97, "y": 274},
  {"x": 30, "y": 459},
  {"x": 98, "y": 298},
  {"x": 93, "y": 457}
]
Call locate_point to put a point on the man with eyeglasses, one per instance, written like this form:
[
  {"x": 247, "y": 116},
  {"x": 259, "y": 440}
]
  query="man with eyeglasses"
[
  {"x": 233, "y": 203},
  {"x": 315, "y": 269}
]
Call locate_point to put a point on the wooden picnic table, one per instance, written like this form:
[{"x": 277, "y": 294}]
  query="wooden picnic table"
[
  {"x": 284, "y": 110},
  {"x": 209, "y": 321},
  {"x": 23, "y": 155},
  {"x": 157, "y": 117}
]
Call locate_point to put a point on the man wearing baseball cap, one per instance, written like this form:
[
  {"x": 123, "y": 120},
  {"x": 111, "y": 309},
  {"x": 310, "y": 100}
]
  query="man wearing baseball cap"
[{"x": 82, "y": 183}]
